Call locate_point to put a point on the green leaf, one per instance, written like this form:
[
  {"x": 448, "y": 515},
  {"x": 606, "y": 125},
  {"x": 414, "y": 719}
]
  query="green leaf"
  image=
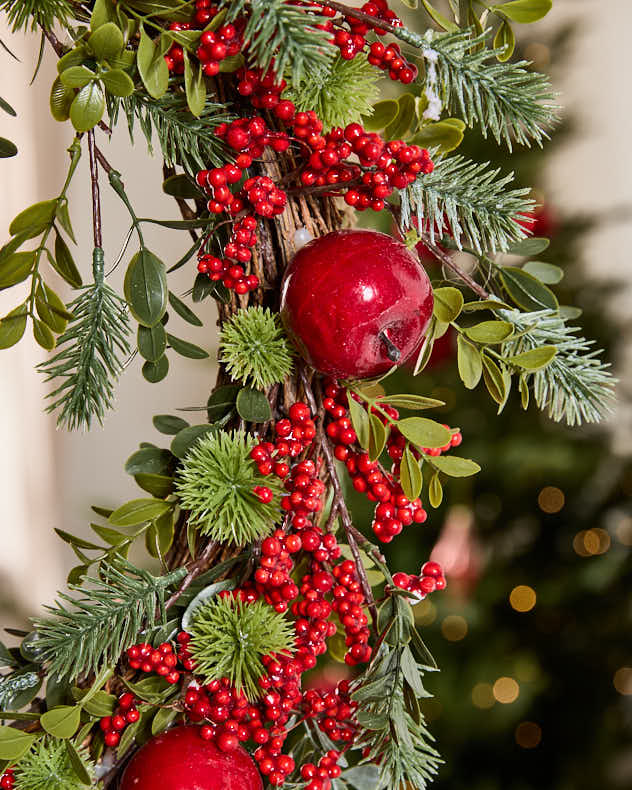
[
  {"x": 102, "y": 12},
  {"x": 118, "y": 83},
  {"x": 152, "y": 66},
  {"x": 377, "y": 437},
  {"x": 77, "y": 76},
  {"x": 253, "y": 406},
  {"x": 407, "y": 401},
  {"x": 98, "y": 704},
  {"x": 186, "y": 349},
  {"x": 107, "y": 41},
  {"x": 534, "y": 245},
  {"x": 64, "y": 264},
  {"x": 195, "y": 86},
  {"x": 411, "y": 672},
  {"x": 527, "y": 291},
  {"x": 166, "y": 423},
  {"x": 545, "y": 272},
  {"x": 152, "y": 342},
  {"x": 16, "y": 268},
  {"x": 536, "y": 359},
  {"x": 524, "y": 11},
  {"x": 485, "y": 304},
  {"x": 439, "y": 18},
  {"x": 20, "y": 688},
  {"x": 404, "y": 118},
  {"x": 453, "y": 466},
  {"x": 202, "y": 597},
  {"x": 150, "y": 460},
  {"x": 222, "y": 402},
  {"x": 524, "y": 391},
  {"x": 78, "y": 766},
  {"x": 183, "y": 310},
  {"x": 156, "y": 371},
  {"x": 7, "y": 148},
  {"x": 423, "y": 432},
  {"x": 448, "y": 303},
  {"x": 186, "y": 438},
  {"x": 445, "y": 135},
  {"x": 73, "y": 540},
  {"x": 4, "y": 105},
  {"x": 384, "y": 113},
  {"x": 159, "y": 537},
  {"x": 110, "y": 536},
  {"x": 182, "y": 186},
  {"x": 139, "y": 510},
  {"x": 435, "y": 490},
  {"x": 490, "y": 331},
  {"x": 12, "y": 245},
  {"x": 410, "y": 475},
  {"x": 505, "y": 40},
  {"x": 494, "y": 380},
  {"x": 63, "y": 216},
  {"x": 43, "y": 336},
  {"x": 62, "y": 722},
  {"x": 88, "y": 107},
  {"x": 469, "y": 362},
  {"x": 359, "y": 420},
  {"x": 158, "y": 485},
  {"x": 14, "y": 743},
  {"x": 162, "y": 720},
  {"x": 34, "y": 219},
  {"x": 146, "y": 287}
]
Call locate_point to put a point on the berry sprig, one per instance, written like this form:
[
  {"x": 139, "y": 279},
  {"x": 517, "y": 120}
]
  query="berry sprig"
[
  {"x": 160, "y": 660},
  {"x": 7, "y": 780},
  {"x": 333, "y": 711},
  {"x": 126, "y": 713},
  {"x": 319, "y": 777},
  {"x": 429, "y": 580}
]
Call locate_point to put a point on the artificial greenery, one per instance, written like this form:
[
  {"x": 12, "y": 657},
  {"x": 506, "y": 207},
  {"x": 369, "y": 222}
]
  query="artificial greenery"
[
  {"x": 230, "y": 637},
  {"x": 254, "y": 348},
  {"x": 215, "y": 486},
  {"x": 25, "y": 14},
  {"x": 91, "y": 353},
  {"x": 81, "y": 635},
  {"x": 469, "y": 202},
  {"x": 339, "y": 92},
  {"x": 49, "y": 766}
]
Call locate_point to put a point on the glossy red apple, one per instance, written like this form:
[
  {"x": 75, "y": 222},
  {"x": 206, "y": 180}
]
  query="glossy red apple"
[
  {"x": 356, "y": 302},
  {"x": 180, "y": 759}
]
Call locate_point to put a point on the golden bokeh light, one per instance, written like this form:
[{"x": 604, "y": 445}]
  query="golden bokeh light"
[
  {"x": 506, "y": 690},
  {"x": 522, "y": 598},
  {"x": 454, "y": 628},
  {"x": 483, "y": 696},
  {"x": 591, "y": 542},
  {"x": 425, "y": 612},
  {"x": 623, "y": 531},
  {"x": 551, "y": 499},
  {"x": 622, "y": 680},
  {"x": 528, "y": 734}
]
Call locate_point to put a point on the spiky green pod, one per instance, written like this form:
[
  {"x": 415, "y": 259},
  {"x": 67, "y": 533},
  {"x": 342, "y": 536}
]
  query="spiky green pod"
[
  {"x": 229, "y": 639},
  {"x": 47, "y": 766},
  {"x": 254, "y": 348},
  {"x": 216, "y": 486}
]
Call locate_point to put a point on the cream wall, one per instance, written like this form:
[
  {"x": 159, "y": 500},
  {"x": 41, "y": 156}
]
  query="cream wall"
[{"x": 50, "y": 478}]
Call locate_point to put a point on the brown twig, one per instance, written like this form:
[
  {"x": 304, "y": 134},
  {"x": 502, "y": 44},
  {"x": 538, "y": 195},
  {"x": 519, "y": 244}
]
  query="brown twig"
[
  {"x": 102, "y": 160},
  {"x": 193, "y": 571},
  {"x": 96, "y": 194},
  {"x": 448, "y": 262}
]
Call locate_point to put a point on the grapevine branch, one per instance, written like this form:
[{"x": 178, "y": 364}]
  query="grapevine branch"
[
  {"x": 193, "y": 571},
  {"x": 96, "y": 195}
]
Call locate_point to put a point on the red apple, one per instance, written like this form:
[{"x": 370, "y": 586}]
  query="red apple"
[
  {"x": 356, "y": 302},
  {"x": 180, "y": 759}
]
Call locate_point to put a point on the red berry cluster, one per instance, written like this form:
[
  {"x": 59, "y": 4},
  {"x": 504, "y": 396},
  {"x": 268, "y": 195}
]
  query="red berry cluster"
[
  {"x": 293, "y": 435},
  {"x": 232, "y": 274},
  {"x": 334, "y": 711},
  {"x": 390, "y": 58},
  {"x": 319, "y": 776},
  {"x": 184, "y": 656},
  {"x": 348, "y": 602},
  {"x": 229, "y": 718},
  {"x": 263, "y": 90},
  {"x": 430, "y": 578},
  {"x": 397, "y": 443},
  {"x": 272, "y": 577},
  {"x": 126, "y": 713},
  {"x": 251, "y": 135},
  {"x": 304, "y": 497},
  {"x": 161, "y": 660},
  {"x": 7, "y": 780},
  {"x": 264, "y": 196}
]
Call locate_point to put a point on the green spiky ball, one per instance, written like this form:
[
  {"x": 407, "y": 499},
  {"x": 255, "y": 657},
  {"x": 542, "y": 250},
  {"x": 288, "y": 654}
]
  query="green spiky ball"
[
  {"x": 229, "y": 638},
  {"x": 254, "y": 348},
  {"x": 216, "y": 485},
  {"x": 47, "y": 766}
]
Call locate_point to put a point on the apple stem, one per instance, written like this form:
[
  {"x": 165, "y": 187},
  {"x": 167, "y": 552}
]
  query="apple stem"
[{"x": 392, "y": 352}]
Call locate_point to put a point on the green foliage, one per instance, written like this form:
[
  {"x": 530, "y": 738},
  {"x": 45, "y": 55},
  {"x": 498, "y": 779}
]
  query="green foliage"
[
  {"x": 505, "y": 99},
  {"x": 91, "y": 354},
  {"x": 49, "y": 766},
  {"x": 184, "y": 139},
  {"x": 229, "y": 638},
  {"x": 339, "y": 91},
  {"x": 254, "y": 348},
  {"x": 79, "y": 636},
  {"x": 282, "y": 32},
  {"x": 39, "y": 13},
  {"x": 470, "y": 202},
  {"x": 216, "y": 485}
]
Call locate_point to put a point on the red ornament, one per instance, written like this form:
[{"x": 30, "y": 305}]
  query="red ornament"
[
  {"x": 180, "y": 759},
  {"x": 356, "y": 302}
]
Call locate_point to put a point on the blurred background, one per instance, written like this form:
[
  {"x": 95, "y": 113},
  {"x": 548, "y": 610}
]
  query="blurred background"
[{"x": 533, "y": 635}]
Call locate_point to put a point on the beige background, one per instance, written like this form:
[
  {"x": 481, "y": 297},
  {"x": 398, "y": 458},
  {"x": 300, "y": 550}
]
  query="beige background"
[{"x": 50, "y": 478}]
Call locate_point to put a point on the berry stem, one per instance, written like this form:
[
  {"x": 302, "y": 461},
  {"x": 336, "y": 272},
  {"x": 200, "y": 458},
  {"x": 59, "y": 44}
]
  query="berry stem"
[
  {"x": 96, "y": 195},
  {"x": 194, "y": 569},
  {"x": 392, "y": 352}
]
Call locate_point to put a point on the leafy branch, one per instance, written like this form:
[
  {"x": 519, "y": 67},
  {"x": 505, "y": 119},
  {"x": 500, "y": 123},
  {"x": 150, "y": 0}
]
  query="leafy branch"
[{"x": 82, "y": 634}]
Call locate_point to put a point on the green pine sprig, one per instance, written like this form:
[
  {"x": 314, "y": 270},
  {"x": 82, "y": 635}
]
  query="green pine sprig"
[
  {"x": 91, "y": 354},
  {"x": 282, "y": 31},
  {"x": 39, "y": 13},
  {"x": 229, "y": 639},
  {"x": 215, "y": 484},
  {"x": 340, "y": 91},
  {"x": 254, "y": 348},
  {"x": 470, "y": 202},
  {"x": 80, "y": 635},
  {"x": 48, "y": 766},
  {"x": 576, "y": 386}
]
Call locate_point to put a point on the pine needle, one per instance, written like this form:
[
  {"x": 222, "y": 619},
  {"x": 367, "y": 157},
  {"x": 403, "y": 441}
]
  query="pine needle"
[
  {"x": 81, "y": 635},
  {"x": 470, "y": 202},
  {"x": 41, "y": 13},
  {"x": 47, "y": 766}
]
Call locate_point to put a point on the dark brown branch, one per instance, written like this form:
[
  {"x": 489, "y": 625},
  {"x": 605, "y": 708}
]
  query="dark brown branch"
[
  {"x": 102, "y": 160},
  {"x": 96, "y": 195},
  {"x": 193, "y": 571},
  {"x": 355, "y": 13},
  {"x": 54, "y": 42}
]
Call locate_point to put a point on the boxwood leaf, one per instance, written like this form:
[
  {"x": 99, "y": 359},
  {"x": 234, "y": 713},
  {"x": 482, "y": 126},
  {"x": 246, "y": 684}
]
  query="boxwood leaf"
[
  {"x": 359, "y": 420},
  {"x": 410, "y": 475},
  {"x": 448, "y": 303},
  {"x": 423, "y": 432},
  {"x": 146, "y": 287},
  {"x": 187, "y": 437},
  {"x": 454, "y": 466},
  {"x": 150, "y": 460},
  {"x": 16, "y": 268},
  {"x": 88, "y": 107},
  {"x": 14, "y": 743},
  {"x": 526, "y": 290},
  {"x": 490, "y": 331},
  {"x": 107, "y": 41},
  {"x": 535, "y": 359},
  {"x": 62, "y": 722},
  {"x": 169, "y": 424},
  {"x": 156, "y": 371},
  {"x": 64, "y": 264},
  {"x": 138, "y": 510},
  {"x": 253, "y": 406}
]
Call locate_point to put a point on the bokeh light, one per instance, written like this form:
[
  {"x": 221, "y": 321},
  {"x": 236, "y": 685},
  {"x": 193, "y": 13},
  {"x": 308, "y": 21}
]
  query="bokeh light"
[
  {"x": 622, "y": 680},
  {"x": 506, "y": 690},
  {"x": 528, "y": 734},
  {"x": 591, "y": 542},
  {"x": 425, "y": 612},
  {"x": 483, "y": 696},
  {"x": 522, "y": 598},
  {"x": 454, "y": 628},
  {"x": 551, "y": 499}
]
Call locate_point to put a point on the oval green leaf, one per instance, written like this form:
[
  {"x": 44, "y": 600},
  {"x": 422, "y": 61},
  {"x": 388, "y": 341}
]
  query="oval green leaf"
[
  {"x": 545, "y": 272},
  {"x": 448, "y": 303},
  {"x": 16, "y": 269},
  {"x": 490, "y": 331},
  {"x": 524, "y": 11},
  {"x": 454, "y": 466},
  {"x": 410, "y": 475},
  {"x": 145, "y": 288},
  {"x": 154, "y": 372},
  {"x": 253, "y": 406},
  {"x": 118, "y": 83},
  {"x": 34, "y": 219},
  {"x": 62, "y": 722},
  {"x": 423, "y": 432},
  {"x": 107, "y": 41},
  {"x": 186, "y": 349},
  {"x": 469, "y": 362},
  {"x": 536, "y": 359},
  {"x": 186, "y": 438},
  {"x": 168, "y": 424},
  {"x": 526, "y": 290},
  {"x": 152, "y": 342},
  {"x": 88, "y": 107},
  {"x": 137, "y": 511}
]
